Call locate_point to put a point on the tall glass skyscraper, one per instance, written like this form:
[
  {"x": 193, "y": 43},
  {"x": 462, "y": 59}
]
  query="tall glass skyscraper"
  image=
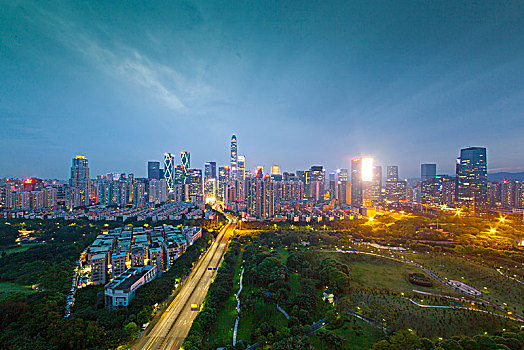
[
  {"x": 210, "y": 170},
  {"x": 153, "y": 170},
  {"x": 472, "y": 179},
  {"x": 392, "y": 173},
  {"x": 234, "y": 157},
  {"x": 428, "y": 171},
  {"x": 169, "y": 170},
  {"x": 80, "y": 178}
]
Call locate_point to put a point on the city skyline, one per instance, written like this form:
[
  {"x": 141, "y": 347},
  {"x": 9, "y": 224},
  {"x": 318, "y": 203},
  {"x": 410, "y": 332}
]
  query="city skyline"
[{"x": 300, "y": 84}]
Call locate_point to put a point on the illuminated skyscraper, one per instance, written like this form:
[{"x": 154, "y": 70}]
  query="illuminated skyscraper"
[
  {"x": 392, "y": 173},
  {"x": 241, "y": 173},
  {"x": 210, "y": 170},
  {"x": 342, "y": 175},
  {"x": 361, "y": 178},
  {"x": 223, "y": 180},
  {"x": 472, "y": 179},
  {"x": 234, "y": 157},
  {"x": 169, "y": 170},
  {"x": 376, "y": 186},
  {"x": 275, "y": 170},
  {"x": 194, "y": 177},
  {"x": 80, "y": 178}
]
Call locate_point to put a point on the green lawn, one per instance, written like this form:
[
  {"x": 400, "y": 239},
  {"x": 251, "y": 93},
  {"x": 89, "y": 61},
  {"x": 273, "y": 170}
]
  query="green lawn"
[
  {"x": 498, "y": 288},
  {"x": 19, "y": 249},
  {"x": 370, "y": 272},
  {"x": 7, "y": 289},
  {"x": 358, "y": 334},
  {"x": 283, "y": 254}
]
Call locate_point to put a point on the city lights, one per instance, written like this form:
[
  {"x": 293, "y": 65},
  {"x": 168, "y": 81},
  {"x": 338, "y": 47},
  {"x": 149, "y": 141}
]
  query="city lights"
[{"x": 367, "y": 169}]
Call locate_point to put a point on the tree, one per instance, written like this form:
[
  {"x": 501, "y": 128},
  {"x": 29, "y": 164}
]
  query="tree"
[{"x": 132, "y": 330}]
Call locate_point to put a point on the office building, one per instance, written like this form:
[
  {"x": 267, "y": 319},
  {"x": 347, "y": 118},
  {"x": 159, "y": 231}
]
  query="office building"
[
  {"x": 428, "y": 171},
  {"x": 223, "y": 180},
  {"x": 80, "y": 178},
  {"x": 472, "y": 179},
  {"x": 361, "y": 178},
  {"x": 241, "y": 175},
  {"x": 195, "y": 185},
  {"x": 153, "y": 170},
  {"x": 234, "y": 157},
  {"x": 210, "y": 170},
  {"x": 169, "y": 170},
  {"x": 392, "y": 173},
  {"x": 275, "y": 170}
]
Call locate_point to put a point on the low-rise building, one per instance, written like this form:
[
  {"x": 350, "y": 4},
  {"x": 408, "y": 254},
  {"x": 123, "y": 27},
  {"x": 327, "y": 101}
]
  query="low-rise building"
[{"x": 121, "y": 290}]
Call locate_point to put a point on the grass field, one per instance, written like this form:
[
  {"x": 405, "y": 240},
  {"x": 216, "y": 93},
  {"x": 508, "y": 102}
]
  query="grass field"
[
  {"x": 8, "y": 289},
  {"x": 359, "y": 335},
  {"x": 370, "y": 272},
  {"x": 400, "y": 313},
  {"x": 494, "y": 286},
  {"x": 19, "y": 249}
]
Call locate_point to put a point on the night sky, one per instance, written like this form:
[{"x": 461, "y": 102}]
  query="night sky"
[{"x": 299, "y": 82}]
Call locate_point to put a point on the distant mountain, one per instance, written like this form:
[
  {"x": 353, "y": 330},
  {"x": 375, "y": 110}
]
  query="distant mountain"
[{"x": 505, "y": 176}]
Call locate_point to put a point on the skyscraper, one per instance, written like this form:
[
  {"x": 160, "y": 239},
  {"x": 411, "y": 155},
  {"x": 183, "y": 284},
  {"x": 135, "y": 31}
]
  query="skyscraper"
[
  {"x": 361, "y": 178},
  {"x": 169, "y": 170},
  {"x": 428, "y": 171},
  {"x": 153, "y": 170},
  {"x": 195, "y": 184},
  {"x": 210, "y": 170},
  {"x": 223, "y": 180},
  {"x": 376, "y": 185},
  {"x": 275, "y": 170},
  {"x": 241, "y": 174},
  {"x": 472, "y": 179},
  {"x": 234, "y": 157},
  {"x": 80, "y": 178},
  {"x": 185, "y": 161},
  {"x": 392, "y": 173}
]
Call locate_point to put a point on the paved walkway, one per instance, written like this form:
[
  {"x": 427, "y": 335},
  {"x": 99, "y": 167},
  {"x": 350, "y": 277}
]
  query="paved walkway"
[{"x": 238, "y": 309}]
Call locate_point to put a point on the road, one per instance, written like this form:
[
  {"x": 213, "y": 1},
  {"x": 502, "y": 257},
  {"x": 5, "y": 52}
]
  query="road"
[{"x": 173, "y": 326}]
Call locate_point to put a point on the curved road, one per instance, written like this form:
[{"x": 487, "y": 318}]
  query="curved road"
[{"x": 173, "y": 326}]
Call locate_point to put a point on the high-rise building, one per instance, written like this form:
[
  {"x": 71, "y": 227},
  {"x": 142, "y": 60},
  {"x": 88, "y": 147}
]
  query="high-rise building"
[
  {"x": 210, "y": 189},
  {"x": 395, "y": 191},
  {"x": 80, "y": 178},
  {"x": 260, "y": 197},
  {"x": 224, "y": 176},
  {"x": 376, "y": 186},
  {"x": 361, "y": 178},
  {"x": 316, "y": 183},
  {"x": 157, "y": 191},
  {"x": 472, "y": 179},
  {"x": 494, "y": 194},
  {"x": 169, "y": 170},
  {"x": 508, "y": 191},
  {"x": 153, "y": 170},
  {"x": 195, "y": 184},
  {"x": 428, "y": 171},
  {"x": 342, "y": 175},
  {"x": 210, "y": 170},
  {"x": 241, "y": 174},
  {"x": 275, "y": 170},
  {"x": 392, "y": 173},
  {"x": 234, "y": 157},
  {"x": 185, "y": 162}
]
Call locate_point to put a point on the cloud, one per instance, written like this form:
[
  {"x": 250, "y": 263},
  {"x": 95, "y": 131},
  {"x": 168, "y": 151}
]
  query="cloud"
[{"x": 117, "y": 59}]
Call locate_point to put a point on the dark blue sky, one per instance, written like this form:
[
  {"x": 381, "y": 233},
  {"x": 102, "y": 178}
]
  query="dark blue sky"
[{"x": 299, "y": 82}]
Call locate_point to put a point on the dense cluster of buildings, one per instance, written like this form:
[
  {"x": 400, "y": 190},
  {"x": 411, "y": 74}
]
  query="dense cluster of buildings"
[
  {"x": 131, "y": 256},
  {"x": 259, "y": 195}
]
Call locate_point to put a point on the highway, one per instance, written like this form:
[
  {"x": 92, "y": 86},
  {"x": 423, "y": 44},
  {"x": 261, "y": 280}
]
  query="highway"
[{"x": 173, "y": 326}]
